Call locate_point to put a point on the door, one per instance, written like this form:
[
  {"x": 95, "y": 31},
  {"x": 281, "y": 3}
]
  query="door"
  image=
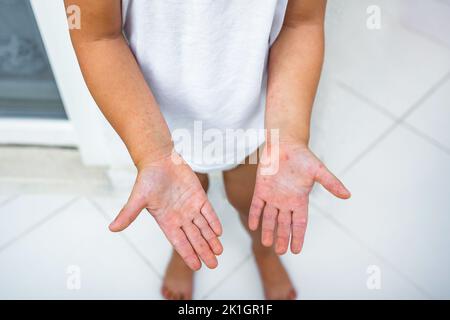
[{"x": 31, "y": 110}]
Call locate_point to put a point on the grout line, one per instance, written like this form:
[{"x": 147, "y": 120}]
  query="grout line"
[
  {"x": 398, "y": 121},
  {"x": 425, "y": 97},
  {"x": 426, "y": 36},
  {"x": 233, "y": 271},
  {"x": 126, "y": 239},
  {"x": 426, "y": 137},
  {"x": 9, "y": 199},
  {"x": 367, "y": 150},
  {"x": 39, "y": 224},
  {"x": 341, "y": 84},
  {"x": 372, "y": 251},
  {"x": 401, "y": 23},
  {"x": 444, "y": 2}
]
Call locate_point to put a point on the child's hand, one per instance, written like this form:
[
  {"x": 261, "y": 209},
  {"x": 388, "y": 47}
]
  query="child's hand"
[
  {"x": 172, "y": 193},
  {"x": 282, "y": 196}
]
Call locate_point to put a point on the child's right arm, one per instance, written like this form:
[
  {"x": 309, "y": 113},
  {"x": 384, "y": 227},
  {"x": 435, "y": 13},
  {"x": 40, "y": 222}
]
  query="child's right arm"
[
  {"x": 171, "y": 192},
  {"x": 116, "y": 82}
]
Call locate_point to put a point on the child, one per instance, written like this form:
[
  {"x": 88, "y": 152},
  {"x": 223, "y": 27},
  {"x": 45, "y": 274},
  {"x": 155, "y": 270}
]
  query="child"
[{"x": 159, "y": 67}]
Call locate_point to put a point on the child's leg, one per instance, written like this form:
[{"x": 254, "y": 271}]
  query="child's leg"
[
  {"x": 239, "y": 186},
  {"x": 178, "y": 280}
]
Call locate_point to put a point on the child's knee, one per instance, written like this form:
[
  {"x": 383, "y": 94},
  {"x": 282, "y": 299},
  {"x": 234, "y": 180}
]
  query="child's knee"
[
  {"x": 204, "y": 180},
  {"x": 238, "y": 198}
]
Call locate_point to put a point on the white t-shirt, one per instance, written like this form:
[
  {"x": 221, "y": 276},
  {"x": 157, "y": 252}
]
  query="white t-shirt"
[{"x": 206, "y": 63}]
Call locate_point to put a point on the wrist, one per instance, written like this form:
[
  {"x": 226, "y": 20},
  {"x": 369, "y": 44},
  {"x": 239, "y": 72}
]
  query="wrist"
[
  {"x": 291, "y": 123},
  {"x": 286, "y": 137},
  {"x": 156, "y": 157}
]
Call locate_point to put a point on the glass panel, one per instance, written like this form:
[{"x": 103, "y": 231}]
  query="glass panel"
[{"x": 27, "y": 86}]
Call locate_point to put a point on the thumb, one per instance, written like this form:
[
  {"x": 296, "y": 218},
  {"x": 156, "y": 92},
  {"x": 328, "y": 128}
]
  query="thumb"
[
  {"x": 134, "y": 206},
  {"x": 331, "y": 183}
]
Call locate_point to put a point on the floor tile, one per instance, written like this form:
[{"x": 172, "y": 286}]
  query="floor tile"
[
  {"x": 53, "y": 170},
  {"x": 331, "y": 266},
  {"x": 433, "y": 117},
  {"x": 24, "y": 211},
  {"x": 400, "y": 207},
  {"x": 48, "y": 163},
  {"x": 335, "y": 266},
  {"x": 75, "y": 244},
  {"x": 243, "y": 284},
  {"x": 433, "y": 14},
  {"x": 392, "y": 66},
  {"x": 7, "y": 188},
  {"x": 143, "y": 233},
  {"x": 343, "y": 126},
  {"x": 150, "y": 241},
  {"x": 4, "y": 198}
]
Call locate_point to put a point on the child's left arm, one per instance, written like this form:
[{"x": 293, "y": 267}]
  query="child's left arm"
[{"x": 281, "y": 195}]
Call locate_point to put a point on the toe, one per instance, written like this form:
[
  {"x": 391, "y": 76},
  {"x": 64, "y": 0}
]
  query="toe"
[
  {"x": 164, "y": 292},
  {"x": 292, "y": 295},
  {"x": 170, "y": 295}
]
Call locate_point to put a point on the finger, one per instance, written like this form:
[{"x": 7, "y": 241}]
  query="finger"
[
  {"x": 184, "y": 248},
  {"x": 254, "y": 215},
  {"x": 331, "y": 183},
  {"x": 299, "y": 222},
  {"x": 200, "y": 245},
  {"x": 283, "y": 231},
  {"x": 208, "y": 234},
  {"x": 211, "y": 216},
  {"x": 129, "y": 213},
  {"x": 268, "y": 225}
]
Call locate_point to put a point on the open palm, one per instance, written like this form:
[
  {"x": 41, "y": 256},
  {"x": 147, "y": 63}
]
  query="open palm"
[
  {"x": 172, "y": 193},
  {"x": 281, "y": 197}
]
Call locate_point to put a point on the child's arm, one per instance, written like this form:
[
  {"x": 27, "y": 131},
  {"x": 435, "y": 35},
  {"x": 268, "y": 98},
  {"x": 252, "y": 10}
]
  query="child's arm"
[
  {"x": 116, "y": 82},
  {"x": 295, "y": 65},
  {"x": 171, "y": 192},
  {"x": 281, "y": 195}
]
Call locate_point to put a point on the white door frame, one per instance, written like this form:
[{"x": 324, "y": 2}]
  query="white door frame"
[{"x": 98, "y": 143}]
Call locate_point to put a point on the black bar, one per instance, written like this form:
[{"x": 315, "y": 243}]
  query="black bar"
[{"x": 226, "y": 309}]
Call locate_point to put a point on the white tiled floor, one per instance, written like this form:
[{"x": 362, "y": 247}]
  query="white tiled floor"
[
  {"x": 402, "y": 211},
  {"x": 433, "y": 117},
  {"x": 381, "y": 122},
  {"x": 25, "y": 212},
  {"x": 345, "y": 126},
  {"x": 335, "y": 266},
  {"x": 393, "y": 66},
  {"x": 37, "y": 265}
]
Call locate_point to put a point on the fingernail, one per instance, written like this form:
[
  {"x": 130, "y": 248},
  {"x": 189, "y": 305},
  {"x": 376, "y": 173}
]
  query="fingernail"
[{"x": 111, "y": 225}]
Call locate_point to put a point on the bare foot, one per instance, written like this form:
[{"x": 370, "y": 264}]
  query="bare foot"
[
  {"x": 276, "y": 282},
  {"x": 177, "y": 284}
]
